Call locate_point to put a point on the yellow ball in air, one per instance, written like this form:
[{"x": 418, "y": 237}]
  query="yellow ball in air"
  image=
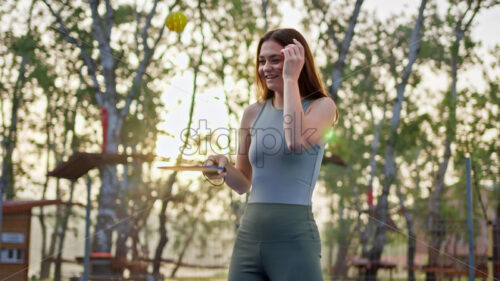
[{"x": 176, "y": 21}]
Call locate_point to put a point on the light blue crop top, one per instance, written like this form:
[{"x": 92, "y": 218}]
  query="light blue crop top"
[{"x": 278, "y": 174}]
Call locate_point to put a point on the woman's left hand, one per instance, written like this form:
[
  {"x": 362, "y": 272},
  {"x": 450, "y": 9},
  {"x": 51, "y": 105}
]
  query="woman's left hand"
[{"x": 294, "y": 60}]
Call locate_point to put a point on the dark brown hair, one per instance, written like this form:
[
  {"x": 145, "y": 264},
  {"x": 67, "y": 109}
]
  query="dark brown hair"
[{"x": 310, "y": 83}]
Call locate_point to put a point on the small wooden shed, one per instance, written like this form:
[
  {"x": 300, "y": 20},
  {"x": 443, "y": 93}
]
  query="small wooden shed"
[{"x": 15, "y": 237}]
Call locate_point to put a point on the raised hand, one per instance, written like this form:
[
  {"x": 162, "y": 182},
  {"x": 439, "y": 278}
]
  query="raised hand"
[{"x": 294, "y": 60}]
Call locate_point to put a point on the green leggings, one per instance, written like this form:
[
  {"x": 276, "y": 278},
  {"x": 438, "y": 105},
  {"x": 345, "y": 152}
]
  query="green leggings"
[{"x": 277, "y": 242}]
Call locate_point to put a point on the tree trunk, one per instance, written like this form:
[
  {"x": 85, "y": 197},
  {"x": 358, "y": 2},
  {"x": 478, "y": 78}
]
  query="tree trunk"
[
  {"x": 340, "y": 268},
  {"x": 338, "y": 70},
  {"x": 410, "y": 257},
  {"x": 54, "y": 236},
  {"x": 183, "y": 251},
  {"x": 436, "y": 223},
  {"x": 330, "y": 242},
  {"x": 390, "y": 163},
  {"x": 123, "y": 228},
  {"x": 496, "y": 243},
  {"x": 171, "y": 180},
  {"x": 437, "y": 228},
  {"x": 129, "y": 185},
  {"x": 108, "y": 196},
  {"x": 342, "y": 46},
  {"x": 188, "y": 241},
  {"x": 10, "y": 139},
  {"x": 329, "y": 262},
  {"x": 163, "y": 225},
  {"x": 110, "y": 100},
  {"x": 264, "y": 13},
  {"x": 106, "y": 216},
  {"x": 44, "y": 264},
  {"x": 368, "y": 231},
  {"x": 7, "y": 180},
  {"x": 62, "y": 234}
]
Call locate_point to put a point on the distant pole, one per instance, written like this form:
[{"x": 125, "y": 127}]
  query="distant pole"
[
  {"x": 1, "y": 216},
  {"x": 86, "y": 258},
  {"x": 491, "y": 274},
  {"x": 472, "y": 267}
]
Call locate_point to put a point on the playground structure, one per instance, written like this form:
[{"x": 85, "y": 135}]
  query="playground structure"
[{"x": 93, "y": 263}]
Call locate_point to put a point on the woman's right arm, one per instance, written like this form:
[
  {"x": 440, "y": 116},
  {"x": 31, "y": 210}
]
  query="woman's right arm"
[{"x": 239, "y": 177}]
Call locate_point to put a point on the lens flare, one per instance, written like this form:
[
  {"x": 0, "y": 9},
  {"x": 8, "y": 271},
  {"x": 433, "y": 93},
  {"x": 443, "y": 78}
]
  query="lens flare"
[{"x": 330, "y": 135}]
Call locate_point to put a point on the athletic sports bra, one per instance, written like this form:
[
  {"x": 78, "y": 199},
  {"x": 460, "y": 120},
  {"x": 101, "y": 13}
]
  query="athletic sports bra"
[{"x": 278, "y": 174}]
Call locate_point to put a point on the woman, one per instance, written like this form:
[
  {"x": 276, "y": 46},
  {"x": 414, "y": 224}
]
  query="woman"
[{"x": 281, "y": 146}]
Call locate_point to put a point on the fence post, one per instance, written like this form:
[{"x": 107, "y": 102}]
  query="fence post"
[
  {"x": 86, "y": 258},
  {"x": 472, "y": 268}
]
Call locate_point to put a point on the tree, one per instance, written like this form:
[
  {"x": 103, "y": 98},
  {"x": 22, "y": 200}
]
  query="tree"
[
  {"x": 335, "y": 24},
  {"x": 64, "y": 101},
  {"x": 390, "y": 165},
  {"x": 211, "y": 63},
  {"x": 230, "y": 69},
  {"x": 460, "y": 20},
  {"x": 110, "y": 94},
  {"x": 15, "y": 75},
  {"x": 17, "y": 69}
]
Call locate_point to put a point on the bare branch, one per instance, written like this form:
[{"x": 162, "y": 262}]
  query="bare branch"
[
  {"x": 141, "y": 70},
  {"x": 148, "y": 53},
  {"x": 16, "y": 101},
  {"x": 146, "y": 26},
  {"x": 159, "y": 37},
  {"x": 264, "y": 12},
  {"x": 412, "y": 57},
  {"x": 474, "y": 13},
  {"x": 331, "y": 32},
  {"x": 109, "y": 20},
  {"x": 108, "y": 62},
  {"x": 2, "y": 99},
  {"x": 97, "y": 24},
  {"x": 138, "y": 21},
  {"x": 136, "y": 82},
  {"x": 85, "y": 55},
  {"x": 352, "y": 23}
]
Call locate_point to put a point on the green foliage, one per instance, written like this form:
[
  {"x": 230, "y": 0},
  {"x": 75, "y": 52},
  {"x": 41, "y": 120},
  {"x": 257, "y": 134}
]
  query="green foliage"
[
  {"x": 430, "y": 50},
  {"x": 43, "y": 76},
  {"x": 25, "y": 44},
  {"x": 124, "y": 14},
  {"x": 410, "y": 134}
]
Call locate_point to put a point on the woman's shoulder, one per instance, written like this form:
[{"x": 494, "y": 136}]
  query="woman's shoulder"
[
  {"x": 254, "y": 108},
  {"x": 323, "y": 103},
  {"x": 251, "y": 112},
  {"x": 324, "y": 99}
]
